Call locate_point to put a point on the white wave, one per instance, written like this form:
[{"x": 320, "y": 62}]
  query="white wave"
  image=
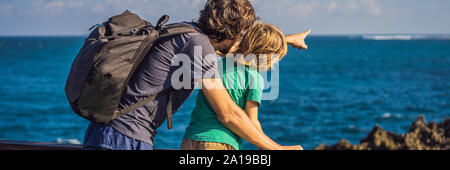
[
  {"x": 394, "y": 37},
  {"x": 390, "y": 115},
  {"x": 351, "y": 127},
  {"x": 405, "y": 37},
  {"x": 68, "y": 141},
  {"x": 387, "y": 115}
]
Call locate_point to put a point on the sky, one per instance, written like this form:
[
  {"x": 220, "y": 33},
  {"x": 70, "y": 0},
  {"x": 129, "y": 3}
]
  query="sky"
[{"x": 324, "y": 17}]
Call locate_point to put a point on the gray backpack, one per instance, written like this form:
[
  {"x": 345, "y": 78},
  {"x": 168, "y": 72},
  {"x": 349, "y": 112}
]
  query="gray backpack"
[{"x": 109, "y": 57}]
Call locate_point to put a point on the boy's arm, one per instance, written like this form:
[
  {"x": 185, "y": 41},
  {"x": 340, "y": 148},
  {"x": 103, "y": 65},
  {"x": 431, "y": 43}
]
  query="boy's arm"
[
  {"x": 298, "y": 40},
  {"x": 251, "y": 107},
  {"x": 234, "y": 118}
]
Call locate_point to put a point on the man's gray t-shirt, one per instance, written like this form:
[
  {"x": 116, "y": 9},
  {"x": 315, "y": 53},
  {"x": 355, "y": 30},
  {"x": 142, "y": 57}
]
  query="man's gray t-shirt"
[{"x": 154, "y": 75}]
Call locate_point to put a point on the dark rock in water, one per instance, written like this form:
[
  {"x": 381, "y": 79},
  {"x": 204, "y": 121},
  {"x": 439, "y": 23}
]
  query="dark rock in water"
[{"x": 421, "y": 136}]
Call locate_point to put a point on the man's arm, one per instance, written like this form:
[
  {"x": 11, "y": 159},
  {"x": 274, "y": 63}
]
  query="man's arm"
[{"x": 234, "y": 118}]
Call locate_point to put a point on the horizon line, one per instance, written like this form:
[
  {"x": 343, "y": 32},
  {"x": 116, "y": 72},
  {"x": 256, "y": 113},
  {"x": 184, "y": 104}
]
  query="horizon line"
[{"x": 361, "y": 34}]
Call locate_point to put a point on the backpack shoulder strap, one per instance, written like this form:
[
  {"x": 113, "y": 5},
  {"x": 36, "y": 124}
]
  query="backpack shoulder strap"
[
  {"x": 166, "y": 31},
  {"x": 178, "y": 28},
  {"x": 145, "y": 101},
  {"x": 171, "y": 30}
]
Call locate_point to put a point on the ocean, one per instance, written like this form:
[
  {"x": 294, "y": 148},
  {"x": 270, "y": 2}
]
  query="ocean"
[{"x": 340, "y": 88}]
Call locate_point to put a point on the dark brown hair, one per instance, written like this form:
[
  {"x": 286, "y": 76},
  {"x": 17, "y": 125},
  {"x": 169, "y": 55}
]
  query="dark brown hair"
[{"x": 226, "y": 19}]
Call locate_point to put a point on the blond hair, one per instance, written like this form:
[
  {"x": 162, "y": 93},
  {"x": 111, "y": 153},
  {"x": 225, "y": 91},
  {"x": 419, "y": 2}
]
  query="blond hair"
[{"x": 262, "y": 46}]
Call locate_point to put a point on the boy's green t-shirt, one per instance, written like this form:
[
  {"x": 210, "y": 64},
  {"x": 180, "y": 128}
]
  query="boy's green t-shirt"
[{"x": 243, "y": 84}]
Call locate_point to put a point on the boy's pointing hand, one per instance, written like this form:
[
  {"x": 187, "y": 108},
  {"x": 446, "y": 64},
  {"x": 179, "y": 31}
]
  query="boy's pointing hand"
[{"x": 298, "y": 40}]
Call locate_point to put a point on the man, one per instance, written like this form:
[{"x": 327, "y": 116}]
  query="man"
[{"x": 221, "y": 22}]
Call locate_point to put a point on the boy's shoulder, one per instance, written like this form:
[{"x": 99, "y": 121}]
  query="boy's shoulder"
[{"x": 255, "y": 79}]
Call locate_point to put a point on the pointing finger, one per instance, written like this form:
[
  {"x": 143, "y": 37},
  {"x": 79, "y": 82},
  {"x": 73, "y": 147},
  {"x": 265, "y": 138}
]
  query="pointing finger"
[{"x": 308, "y": 32}]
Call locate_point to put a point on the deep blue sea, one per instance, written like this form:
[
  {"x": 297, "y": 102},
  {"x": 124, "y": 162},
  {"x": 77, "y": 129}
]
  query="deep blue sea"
[{"x": 340, "y": 88}]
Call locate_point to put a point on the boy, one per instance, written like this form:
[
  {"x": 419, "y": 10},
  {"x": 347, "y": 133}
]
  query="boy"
[{"x": 245, "y": 86}]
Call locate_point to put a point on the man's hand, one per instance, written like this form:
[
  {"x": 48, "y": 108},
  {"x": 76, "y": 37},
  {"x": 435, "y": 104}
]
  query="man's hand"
[
  {"x": 298, "y": 147},
  {"x": 298, "y": 40}
]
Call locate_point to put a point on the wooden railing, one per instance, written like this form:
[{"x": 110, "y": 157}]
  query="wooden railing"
[{"x": 21, "y": 145}]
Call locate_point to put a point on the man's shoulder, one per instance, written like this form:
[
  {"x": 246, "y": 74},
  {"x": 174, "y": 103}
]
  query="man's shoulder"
[
  {"x": 198, "y": 38},
  {"x": 194, "y": 40}
]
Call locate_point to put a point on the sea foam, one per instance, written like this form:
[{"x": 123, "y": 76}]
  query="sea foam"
[
  {"x": 68, "y": 141},
  {"x": 405, "y": 37}
]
